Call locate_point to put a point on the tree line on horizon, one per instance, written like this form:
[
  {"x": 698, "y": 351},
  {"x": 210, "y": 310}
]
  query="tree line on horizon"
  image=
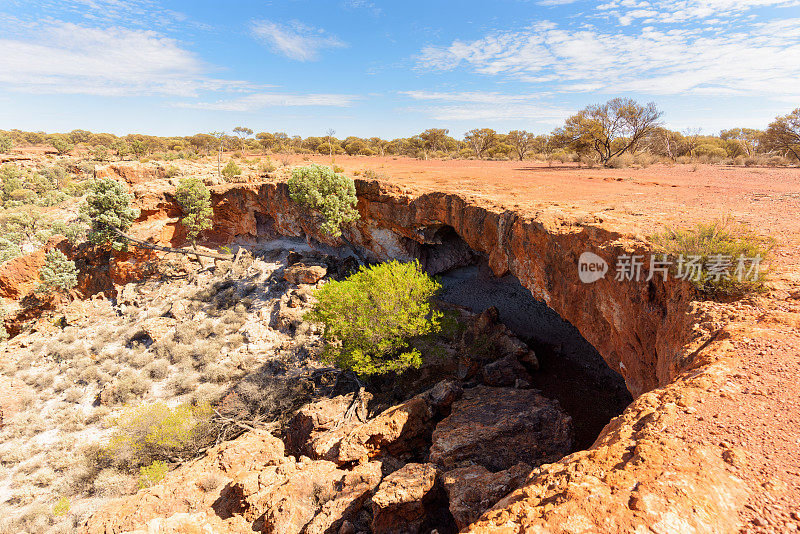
[{"x": 602, "y": 134}]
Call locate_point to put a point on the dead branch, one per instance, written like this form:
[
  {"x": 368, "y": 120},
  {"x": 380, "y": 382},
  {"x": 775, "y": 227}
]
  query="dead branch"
[{"x": 144, "y": 244}]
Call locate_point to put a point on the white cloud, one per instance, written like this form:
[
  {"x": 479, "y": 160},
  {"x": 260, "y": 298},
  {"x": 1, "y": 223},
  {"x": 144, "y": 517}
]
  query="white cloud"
[
  {"x": 131, "y": 13},
  {"x": 761, "y": 60},
  {"x": 295, "y": 40},
  {"x": 486, "y": 106},
  {"x": 678, "y": 11},
  {"x": 363, "y": 4},
  {"x": 258, "y": 101},
  {"x": 555, "y": 2},
  {"x": 69, "y": 58}
]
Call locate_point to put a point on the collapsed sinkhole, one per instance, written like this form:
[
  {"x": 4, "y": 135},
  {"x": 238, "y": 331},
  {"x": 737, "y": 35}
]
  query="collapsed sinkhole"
[{"x": 571, "y": 370}]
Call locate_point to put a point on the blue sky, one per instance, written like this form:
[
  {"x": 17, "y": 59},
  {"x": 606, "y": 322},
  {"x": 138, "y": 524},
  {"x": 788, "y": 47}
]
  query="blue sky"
[{"x": 390, "y": 69}]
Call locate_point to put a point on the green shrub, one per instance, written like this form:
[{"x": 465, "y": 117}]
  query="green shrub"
[
  {"x": 61, "y": 507},
  {"x": 150, "y": 475},
  {"x": 172, "y": 171},
  {"x": 151, "y": 432},
  {"x": 370, "y": 317},
  {"x": 5, "y": 144},
  {"x": 267, "y": 167},
  {"x": 331, "y": 194},
  {"x": 9, "y": 250},
  {"x": 58, "y": 272},
  {"x": 230, "y": 170},
  {"x": 195, "y": 200},
  {"x": 712, "y": 243},
  {"x": 108, "y": 206},
  {"x": 61, "y": 145}
]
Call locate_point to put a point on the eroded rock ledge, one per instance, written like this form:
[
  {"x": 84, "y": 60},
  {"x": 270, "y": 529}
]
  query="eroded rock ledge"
[{"x": 643, "y": 330}]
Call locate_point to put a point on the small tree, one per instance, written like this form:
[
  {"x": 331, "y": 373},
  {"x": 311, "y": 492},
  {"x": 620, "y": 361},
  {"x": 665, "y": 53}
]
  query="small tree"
[
  {"x": 522, "y": 142},
  {"x": 609, "y": 129},
  {"x": 370, "y": 317},
  {"x": 231, "y": 170},
  {"x": 195, "y": 200},
  {"x": 329, "y": 134},
  {"x": 481, "y": 140},
  {"x": 61, "y": 145},
  {"x": 783, "y": 134},
  {"x": 6, "y": 143},
  {"x": 108, "y": 207},
  {"x": 58, "y": 273},
  {"x": 332, "y": 194},
  {"x": 220, "y": 142},
  {"x": 242, "y": 133}
]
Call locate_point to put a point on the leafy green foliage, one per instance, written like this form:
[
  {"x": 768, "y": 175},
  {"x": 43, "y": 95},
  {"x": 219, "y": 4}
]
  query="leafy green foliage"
[
  {"x": 150, "y": 432},
  {"x": 3, "y": 331},
  {"x": 108, "y": 206},
  {"x": 721, "y": 237},
  {"x": 58, "y": 273},
  {"x": 231, "y": 170},
  {"x": 61, "y": 507},
  {"x": 195, "y": 200},
  {"x": 61, "y": 145},
  {"x": 609, "y": 129},
  {"x": 370, "y": 317},
  {"x": 150, "y": 475},
  {"x": 5, "y": 144},
  {"x": 330, "y": 193}
]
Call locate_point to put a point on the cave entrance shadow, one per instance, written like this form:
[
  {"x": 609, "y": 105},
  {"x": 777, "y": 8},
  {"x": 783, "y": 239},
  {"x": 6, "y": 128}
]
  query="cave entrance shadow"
[{"x": 571, "y": 370}]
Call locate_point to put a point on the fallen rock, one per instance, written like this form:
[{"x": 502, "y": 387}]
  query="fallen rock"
[
  {"x": 441, "y": 396},
  {"x": 506, "y": 371},
  {"x": 189, "y": 489},
  {"x": 399, "y": 504},
  {"x": 308, "y": 431},
  {"x": 486, "y": 340},
  {"x": 397, "y": 431},
  {"x": 305, "y": 496},
  {"x": 304, "y": 273},
  {"x": 500, "y": 427},
  {"x": 474, "y": 489}
]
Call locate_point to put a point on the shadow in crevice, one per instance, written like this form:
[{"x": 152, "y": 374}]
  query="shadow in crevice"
[{"x": 570, "y": 368}]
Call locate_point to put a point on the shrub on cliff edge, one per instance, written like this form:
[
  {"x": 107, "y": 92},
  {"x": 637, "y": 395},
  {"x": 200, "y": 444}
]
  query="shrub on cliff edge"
[
  {"x": 728, "y": 257},
  {"x": 333, "y": 195},
  {"x": 108, "y": 206}
]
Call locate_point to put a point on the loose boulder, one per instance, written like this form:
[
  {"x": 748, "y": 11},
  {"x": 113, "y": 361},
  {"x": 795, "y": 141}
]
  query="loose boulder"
[
  {"x": 500, "y": 427},
  {"x": 474, "y": 489},
  {"x": 399, "y": 505}
]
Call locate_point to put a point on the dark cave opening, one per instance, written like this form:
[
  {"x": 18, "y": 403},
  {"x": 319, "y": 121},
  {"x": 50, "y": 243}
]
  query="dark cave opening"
[{"x": 571, "y": 370}]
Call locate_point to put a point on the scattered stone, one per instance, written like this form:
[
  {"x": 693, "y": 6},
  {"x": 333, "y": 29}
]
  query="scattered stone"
[
  {"x": 506, "y": 371},
  {"x": 304, "y": 273},
  {"x": 399, "y": 504},
  {"x": 400, "y": 430},
  {"x": 500, "y": 427},
  {"x": 474, "y": 489},
  {"x": 307, "y": 431}
]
